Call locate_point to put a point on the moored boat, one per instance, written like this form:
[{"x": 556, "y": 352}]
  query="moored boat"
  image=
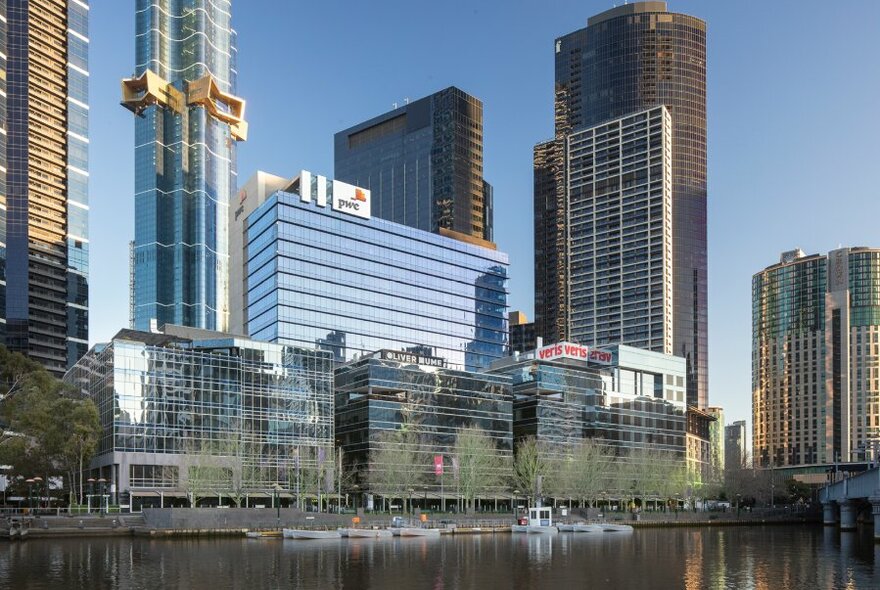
[
  {"x": 365, "y": 533},
  {"x": 307, "y": 534},
  {"x": 612, "y": 528},
  {"x": 415, "y": 532},
  {"x": 540, "y": 521},
  {"x": 579, "y": 528}
]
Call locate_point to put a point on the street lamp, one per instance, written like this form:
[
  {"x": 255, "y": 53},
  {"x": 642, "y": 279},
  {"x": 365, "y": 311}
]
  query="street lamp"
[
  {"x": 515, "y": 502},
  {"x": 37, "y": 481},
  {"x": 411, "y": 490},
  {"x": 30, "y": 485},
  {"x": 91, "y": 482},
  {"x": 277, "y": 491},
  {"x": 101, "y": 483}
]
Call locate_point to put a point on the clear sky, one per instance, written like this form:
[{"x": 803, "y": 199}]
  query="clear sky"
[{"x": 794, "y": 124}]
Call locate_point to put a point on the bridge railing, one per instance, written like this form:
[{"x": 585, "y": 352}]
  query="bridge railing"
[{"x": 863, "y": 485}]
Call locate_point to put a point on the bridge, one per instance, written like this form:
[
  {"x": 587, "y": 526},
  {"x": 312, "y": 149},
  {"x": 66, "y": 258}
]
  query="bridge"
[{"x": 842, "y": 501}]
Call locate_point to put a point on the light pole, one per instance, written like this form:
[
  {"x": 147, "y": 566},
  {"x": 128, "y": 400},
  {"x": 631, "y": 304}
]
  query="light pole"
[
  {"x": 101, "y": 483},
  {"x": 276, "y": 491},
  {"x": 515, "y": 502},
  {"x": 410, "y": 500},
  {"x": 37, "y": 484},
  {"x": 30, "y": 485},
  {"x": 91, "y": 482}
]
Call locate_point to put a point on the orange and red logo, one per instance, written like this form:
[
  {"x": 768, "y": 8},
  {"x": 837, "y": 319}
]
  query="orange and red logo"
[{"x": 359, "y": 195}]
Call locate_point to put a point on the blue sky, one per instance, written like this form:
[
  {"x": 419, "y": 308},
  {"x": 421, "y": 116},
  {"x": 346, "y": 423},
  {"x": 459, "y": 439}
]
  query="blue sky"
[{"x": 793, "y": 125}]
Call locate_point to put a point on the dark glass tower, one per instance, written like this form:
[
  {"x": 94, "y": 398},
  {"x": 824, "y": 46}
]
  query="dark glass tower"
[
  {"x": 44, "y": 180},
  {"x": 189, "y": 121},
  {"x": 629, "y": 59},
  {"x": 423, "y": 163}
]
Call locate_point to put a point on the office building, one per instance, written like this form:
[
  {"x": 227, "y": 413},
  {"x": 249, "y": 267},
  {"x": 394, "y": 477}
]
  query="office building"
[
  {"x": 630, "y": 399},
  {"x": 815, "y": 358},
  {"x": 717, "y": 443},
  {"x": 390, "y": 391},
  {"x": 188, "y": 122},
  {"x": 522, "y": 333},
  {"x": 735, "y": 450},
  {"x": 190, "y": 413},
  {"x": 627, "y": 60},
  {"x": 44, "y": 246},
  {"x": 423, "y": 164},
  {"x": 322, "y": 272}
]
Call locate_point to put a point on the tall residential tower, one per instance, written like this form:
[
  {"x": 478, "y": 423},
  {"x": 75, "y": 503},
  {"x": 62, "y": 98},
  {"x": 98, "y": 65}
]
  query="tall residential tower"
[
  {"x": 189, "y": 120},
  {"x": 44, "y": 180},
  {"x": 815, "y": 359},
  {"x": 629, "y": 59}
]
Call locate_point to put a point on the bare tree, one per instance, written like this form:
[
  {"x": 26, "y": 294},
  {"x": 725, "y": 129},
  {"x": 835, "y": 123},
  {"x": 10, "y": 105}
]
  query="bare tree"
[{"x": 396, "y": 464}]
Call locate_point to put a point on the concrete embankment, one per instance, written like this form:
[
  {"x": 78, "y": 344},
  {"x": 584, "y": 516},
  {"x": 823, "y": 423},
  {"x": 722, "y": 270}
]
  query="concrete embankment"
[{"x": 205, "y": 522}]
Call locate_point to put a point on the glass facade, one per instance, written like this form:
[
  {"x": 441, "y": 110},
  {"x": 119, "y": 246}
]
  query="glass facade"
[
  {"x": 316, "y": 277},
  {"x": 44, "y": 245},
  {"x": 423, "y": 163},
  {"x": 628, "y": 59},
  {"x": 815, "y": 353},
  {"x": 185, "y": 168},
  {"x": 636, "y": 403},
  {"x": 620, "y": 232},
  {"x": 375, "y": 395},
  {"x": 164, "y": 401}
]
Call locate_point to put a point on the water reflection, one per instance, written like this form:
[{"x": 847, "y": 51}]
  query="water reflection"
[{"x": 778, "y": 558}]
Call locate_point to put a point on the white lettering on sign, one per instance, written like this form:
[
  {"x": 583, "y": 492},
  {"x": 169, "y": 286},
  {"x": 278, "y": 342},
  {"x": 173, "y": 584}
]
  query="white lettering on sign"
[
  {"x": 573, "y": 351},
  {"x": 351, "y": 199}
]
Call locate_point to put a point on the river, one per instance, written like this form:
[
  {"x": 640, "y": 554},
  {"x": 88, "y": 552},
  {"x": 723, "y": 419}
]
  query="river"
[{"x": 772, "y": 558}]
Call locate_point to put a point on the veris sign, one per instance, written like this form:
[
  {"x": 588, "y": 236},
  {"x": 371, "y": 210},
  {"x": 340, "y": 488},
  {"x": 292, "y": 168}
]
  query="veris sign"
[
  {"x": 414, "y": 359},
  {"x": 567, "y": 350},
  {"x": 351, "y": 199}
]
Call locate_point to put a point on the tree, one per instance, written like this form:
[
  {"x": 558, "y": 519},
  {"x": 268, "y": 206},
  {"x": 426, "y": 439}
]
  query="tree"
[
  {"x": 588, "y": 469},
  {"x": 396, "y": 463},
  {"x": 530, "y": 461},
  {"x": 480, "y": 467}
]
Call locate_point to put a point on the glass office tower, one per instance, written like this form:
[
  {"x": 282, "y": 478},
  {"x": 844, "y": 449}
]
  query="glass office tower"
[
  {"x": 815, "y": 358},
  {"x": 320, "y": 276},
  {"x": 423, "y": 164},
  {"x": 188, "y": 120},
  {"x": 44, "y": 179},
  {"x": 176, "y": 404},
  {"x": 628, "y": 59}
]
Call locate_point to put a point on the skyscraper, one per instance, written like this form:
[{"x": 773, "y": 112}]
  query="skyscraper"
[
  {"x": 44, "y": 180},
  {"x": 815, "y": 358},
  {"x": 189, "y": 119},
  {"x": 628, "y": 59},
  {"x": 423, "y": 164},
  {"x": 735, "y": 455}
]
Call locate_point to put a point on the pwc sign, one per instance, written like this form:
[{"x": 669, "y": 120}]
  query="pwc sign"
[
  {"x": 573, "y": 351},
  {"x": 351, "y": 199}
]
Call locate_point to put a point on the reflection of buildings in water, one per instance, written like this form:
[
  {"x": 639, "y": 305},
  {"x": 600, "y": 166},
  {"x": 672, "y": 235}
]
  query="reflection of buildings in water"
[
  {"x": 693, "y": 565},
  {"x": 540, "y": 549}
]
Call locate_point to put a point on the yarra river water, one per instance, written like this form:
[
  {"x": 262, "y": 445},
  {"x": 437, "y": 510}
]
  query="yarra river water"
[{"x": 772, "y": 558}]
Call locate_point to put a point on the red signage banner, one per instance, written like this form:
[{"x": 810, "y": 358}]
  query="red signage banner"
[
  {"x": 573, "y": 351},
  {"x": 438, "y": 464}
]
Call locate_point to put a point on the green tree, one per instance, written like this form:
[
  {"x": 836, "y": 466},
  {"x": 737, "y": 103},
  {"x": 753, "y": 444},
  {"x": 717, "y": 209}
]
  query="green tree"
[
  {"x": 589, "y": 466},
  {"x": 529, "y": 462},
  {"x": 481, "y": 468}
]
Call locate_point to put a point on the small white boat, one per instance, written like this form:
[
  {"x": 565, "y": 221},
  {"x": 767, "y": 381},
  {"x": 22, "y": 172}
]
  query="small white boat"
[
  {"x": 579, "y": 528},
  {"x": 414, "y": 532},
  {"x": 365, "y": 533},
  {"x": 611, "y": 528},
  {"x": 306, "y": 534},
  {"x": 540, "y": 521}
]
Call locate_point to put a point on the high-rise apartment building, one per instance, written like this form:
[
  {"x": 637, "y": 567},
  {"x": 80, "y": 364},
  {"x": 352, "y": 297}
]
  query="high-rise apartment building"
[
  {"x": 188, "y": 122},
  {"x": 423, "y": 164},
  {"x": 716, "y": 442},
  {"x": 620, "y": 270},
  {"x": 735, "y": 455},
  {"x": 815, "y": 358},
  {"x": 522, "y": 333},
  {"x": 44, "y": 180},
  {"x": 628, "y": 59}
]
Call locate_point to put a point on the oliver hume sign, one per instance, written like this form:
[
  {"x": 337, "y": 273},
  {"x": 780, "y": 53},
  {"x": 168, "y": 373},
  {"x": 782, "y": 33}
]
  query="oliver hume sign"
[{"x": 567, "y": 350}]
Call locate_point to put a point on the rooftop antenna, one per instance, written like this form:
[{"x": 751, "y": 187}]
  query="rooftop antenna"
[
  {"x": 394, "y": 105},
  {"x": 406, "y": 100}
]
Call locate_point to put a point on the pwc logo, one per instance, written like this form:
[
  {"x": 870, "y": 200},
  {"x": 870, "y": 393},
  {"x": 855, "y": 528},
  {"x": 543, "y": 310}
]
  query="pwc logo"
[{"x": 351, "y": 199}]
